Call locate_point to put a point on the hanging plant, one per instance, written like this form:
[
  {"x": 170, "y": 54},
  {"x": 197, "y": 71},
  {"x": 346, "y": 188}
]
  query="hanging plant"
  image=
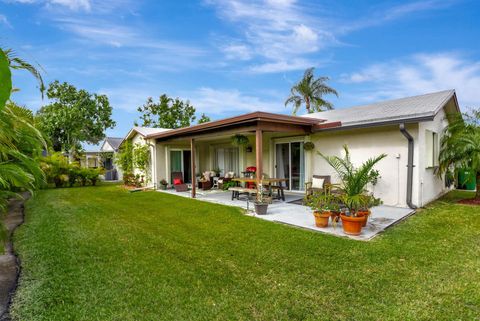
[
  {"x": 240, "y": 140},
  {"x": 308, "y": 146}
]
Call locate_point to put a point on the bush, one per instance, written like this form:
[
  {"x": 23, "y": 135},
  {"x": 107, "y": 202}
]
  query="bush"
[
  {"x": 92, "y": 174},
  {"x": 73, "y": 174},
  {"x": 60, "y": 172},
  {"x": 56, "y": 169}
]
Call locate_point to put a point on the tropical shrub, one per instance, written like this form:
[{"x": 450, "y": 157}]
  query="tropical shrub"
[
  {"x": 353, "y": 179},
  {"x": 56, "y": 169},
  {"x": 141, "y": 159},
  {"x": 124, "y": 157},
  {"x": 460, "y": 147},
  {"x": 93, "y": 175}
]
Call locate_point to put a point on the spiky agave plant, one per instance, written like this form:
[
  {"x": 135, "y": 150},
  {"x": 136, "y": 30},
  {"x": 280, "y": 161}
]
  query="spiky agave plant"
[{"x": 353, "y": 179}]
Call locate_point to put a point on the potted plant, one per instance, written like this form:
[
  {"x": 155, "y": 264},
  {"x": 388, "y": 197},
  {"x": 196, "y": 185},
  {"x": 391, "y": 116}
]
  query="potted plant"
[
  {"x": 352, "y": 218},
  {"x": 240, "y": 140},
  {"x": 261, "y": 202},
  {"x": 217, "y": 171},
  {"x": 353, "y": 187},
  {"x": 163, "y": 184},
  {"x": 323, "y": 205}
]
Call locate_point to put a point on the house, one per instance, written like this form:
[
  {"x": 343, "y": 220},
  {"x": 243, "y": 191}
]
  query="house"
[
  {"x": 108, "y": 149},
  {"x": 408, "y": 130},
  {"x": 139, "y": 135}
]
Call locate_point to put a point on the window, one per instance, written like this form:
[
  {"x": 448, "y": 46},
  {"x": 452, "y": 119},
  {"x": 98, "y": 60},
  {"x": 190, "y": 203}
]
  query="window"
[
  {"x": 431, "y": 144},
  {"x": 226, "y": 159}
]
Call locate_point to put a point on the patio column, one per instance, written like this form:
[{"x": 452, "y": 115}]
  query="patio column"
[
  {"x": 192, "y": 156},
  {"x": 259, "y": 153}
]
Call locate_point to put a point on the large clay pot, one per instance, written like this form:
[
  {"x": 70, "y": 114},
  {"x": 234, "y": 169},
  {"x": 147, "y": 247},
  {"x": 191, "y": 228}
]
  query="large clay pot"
[
  {"x": 352, "y": 225},
  {"x": 321, "y": 218},
  {"x": 365, "y": 215}
]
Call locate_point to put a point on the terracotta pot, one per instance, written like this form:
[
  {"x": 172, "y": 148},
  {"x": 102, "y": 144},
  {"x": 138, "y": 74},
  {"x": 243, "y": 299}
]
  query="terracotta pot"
[
  {"x": 364, "y": 215},
  {"x": 352, "y": 225},
  {"x": 321, "y": 218},
  {"x": 335, "y": 216}
]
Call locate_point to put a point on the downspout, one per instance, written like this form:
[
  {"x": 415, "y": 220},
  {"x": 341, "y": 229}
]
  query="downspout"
[{"x": 409, "y": 165}]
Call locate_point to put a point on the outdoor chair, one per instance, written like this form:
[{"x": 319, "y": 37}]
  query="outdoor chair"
[
  {"x": 178, "y": 183},
  {"x": 319, "y": 183},
  {"x": 227, "y": 178},
  {"x": 206, "y": 181}
]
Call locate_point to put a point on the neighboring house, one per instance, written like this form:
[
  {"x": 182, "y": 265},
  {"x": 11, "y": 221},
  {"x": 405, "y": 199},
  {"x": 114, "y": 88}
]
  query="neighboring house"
[
  {"x": 407, "y": 129},
  {"x": 111, "y": 145},
  {"x": 138, "y": 135},
  {"x": 91, "y": 159}
]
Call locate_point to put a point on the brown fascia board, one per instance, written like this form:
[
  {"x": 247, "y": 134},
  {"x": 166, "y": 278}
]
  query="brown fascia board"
[{"x": 237, "y": 120}]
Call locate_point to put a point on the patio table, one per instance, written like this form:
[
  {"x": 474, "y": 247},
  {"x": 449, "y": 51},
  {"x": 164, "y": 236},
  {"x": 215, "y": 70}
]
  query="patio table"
[{"x": 270, "y": 182}]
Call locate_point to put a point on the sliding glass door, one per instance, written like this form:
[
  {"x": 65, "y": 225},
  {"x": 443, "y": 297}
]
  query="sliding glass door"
[
  {"x": 290, "y": 164},
  {"x": 180, "y": 162}
]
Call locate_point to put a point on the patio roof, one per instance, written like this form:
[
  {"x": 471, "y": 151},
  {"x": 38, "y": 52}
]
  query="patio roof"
[{"x": 248, "y": 122}]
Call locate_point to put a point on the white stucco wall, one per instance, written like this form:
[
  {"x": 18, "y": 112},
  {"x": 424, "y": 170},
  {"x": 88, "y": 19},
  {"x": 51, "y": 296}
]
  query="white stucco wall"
[
  {"x": 430, "y": 185},
  {"x": 152, "y": 173},
  {"x": 364, "y": 144}
]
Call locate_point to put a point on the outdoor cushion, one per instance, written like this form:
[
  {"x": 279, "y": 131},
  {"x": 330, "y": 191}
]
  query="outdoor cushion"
[
  {"x": 177, "y": 181},
  {"x": 317, "y": 182}
]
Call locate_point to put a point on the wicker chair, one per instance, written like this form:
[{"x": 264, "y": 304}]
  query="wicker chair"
[
  {"x": 179, "y": 187},
  {"x": 327, "y": 183}
]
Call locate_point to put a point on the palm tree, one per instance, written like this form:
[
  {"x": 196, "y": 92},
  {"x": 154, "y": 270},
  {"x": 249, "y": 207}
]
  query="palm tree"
[
  {"x": 460, "y": 146},
  {"x": 19, "y": 64},
  {"x": 309, "y": 91},
  {"x": 354, "y": 179}
]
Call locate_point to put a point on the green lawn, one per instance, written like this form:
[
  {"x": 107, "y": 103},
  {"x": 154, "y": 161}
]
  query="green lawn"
[{"x": 100, "y": 253}]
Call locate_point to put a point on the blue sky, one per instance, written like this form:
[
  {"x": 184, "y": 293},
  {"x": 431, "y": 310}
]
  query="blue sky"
[{"x": 231, "y": 57}]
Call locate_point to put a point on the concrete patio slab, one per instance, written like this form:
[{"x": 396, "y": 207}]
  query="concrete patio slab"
[{"x": 301, "y": 216}]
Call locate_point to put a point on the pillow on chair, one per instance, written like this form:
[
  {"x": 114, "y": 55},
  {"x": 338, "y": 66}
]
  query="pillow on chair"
[
  {"x": 177, "y": 181},
  {"x": 317, "y": 182}
]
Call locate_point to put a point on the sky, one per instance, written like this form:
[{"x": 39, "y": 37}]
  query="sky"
[{"x": 229, "y": 57}]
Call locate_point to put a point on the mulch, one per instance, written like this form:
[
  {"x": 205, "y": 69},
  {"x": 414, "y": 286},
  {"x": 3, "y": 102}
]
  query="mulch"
[
  {"x": 469, "y": 201},
  {"x": 9, "y": 263}
]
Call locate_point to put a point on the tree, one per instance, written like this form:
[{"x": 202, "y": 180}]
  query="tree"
[
  {"x": 19, "y": 64},
  {"x": 20, "y": 141},
  {"x": 74, "y": 116},
  {"x": 204, "y": 119},
  {"x": 309, "y": 91},
  {"x": 167, "y": 113},
  {"x": 460, "y": 146}
]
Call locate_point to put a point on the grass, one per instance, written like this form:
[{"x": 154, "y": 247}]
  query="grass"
[{"x": 100, "y": 253}]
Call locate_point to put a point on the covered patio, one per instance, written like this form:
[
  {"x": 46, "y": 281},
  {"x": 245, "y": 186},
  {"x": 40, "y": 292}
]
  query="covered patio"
[
  {"x": 291, "y": 213},
  {"x": 194, "y": 150}
]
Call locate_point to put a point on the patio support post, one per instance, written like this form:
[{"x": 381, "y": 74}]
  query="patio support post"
[
  {"x": 192, "y": 156},
  {"x": 259, "y": 153}
]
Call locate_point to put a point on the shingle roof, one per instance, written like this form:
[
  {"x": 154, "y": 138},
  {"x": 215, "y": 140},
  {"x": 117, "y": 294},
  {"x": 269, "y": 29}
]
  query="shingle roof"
[
  {"x": 408, "y": 108},
  {"x": 114, "y": 142}
]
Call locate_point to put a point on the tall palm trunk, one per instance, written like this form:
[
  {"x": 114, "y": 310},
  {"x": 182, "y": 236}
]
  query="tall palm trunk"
[{"x": 307, "y": 104}]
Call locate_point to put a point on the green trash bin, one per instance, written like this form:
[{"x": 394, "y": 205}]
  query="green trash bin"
[{"x": 466, "y": 180}]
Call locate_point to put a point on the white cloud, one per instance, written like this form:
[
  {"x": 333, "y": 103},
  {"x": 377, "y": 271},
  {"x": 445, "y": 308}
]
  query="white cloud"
[
  {"x": 282, "y": 31},
  {"x": 418, "y": 74},
  {"x": 237, "y": 51},
  {"x": 4, "y": 21},
  {"x": 74, "y": 5},
  {"x": 275, "y": 30},
  {"x": 219, "y": 102}
]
